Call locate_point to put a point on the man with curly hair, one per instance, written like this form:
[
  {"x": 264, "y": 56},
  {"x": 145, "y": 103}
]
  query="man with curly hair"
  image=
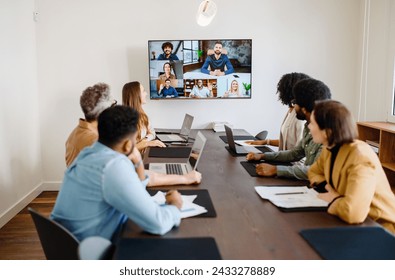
[
  {"x": 167, "y": 48},
  {"x": 306, "y": 93}
]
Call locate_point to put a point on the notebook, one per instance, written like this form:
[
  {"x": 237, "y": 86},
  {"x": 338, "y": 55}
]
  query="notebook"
[
  {"x": 351, "y": 243},
  {"x": 240, "y": 150},
  {"x": 183, "y": 168},
  {"x": 178, "y": 137},
  {"x": 203, "y": 199},
  {"x": 196, "y": 248}
]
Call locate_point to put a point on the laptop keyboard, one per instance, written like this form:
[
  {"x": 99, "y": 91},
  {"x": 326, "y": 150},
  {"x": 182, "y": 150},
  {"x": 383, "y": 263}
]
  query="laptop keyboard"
[{"x": 173, "y": 168}]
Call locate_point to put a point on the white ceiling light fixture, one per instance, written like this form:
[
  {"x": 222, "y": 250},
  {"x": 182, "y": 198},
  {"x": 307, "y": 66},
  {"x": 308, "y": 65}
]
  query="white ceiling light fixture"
[{"x": 206, "y": 12}]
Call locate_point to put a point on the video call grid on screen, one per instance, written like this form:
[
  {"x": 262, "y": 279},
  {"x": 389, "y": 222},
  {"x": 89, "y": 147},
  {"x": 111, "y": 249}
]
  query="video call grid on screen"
[{"x": 204, "y": 69}]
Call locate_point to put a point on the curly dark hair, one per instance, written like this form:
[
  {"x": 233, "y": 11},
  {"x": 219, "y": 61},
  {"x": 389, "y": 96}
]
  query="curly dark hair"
[
  {"x": 308, "y": 91},
  {"x": 116, "y": 123},
  {"x": 285, "y": 85},
  {"x": 167, "y": 44}
]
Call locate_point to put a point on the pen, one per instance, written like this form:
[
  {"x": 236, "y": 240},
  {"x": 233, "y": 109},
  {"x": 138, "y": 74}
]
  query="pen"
[{"x": 289, "y": 193}]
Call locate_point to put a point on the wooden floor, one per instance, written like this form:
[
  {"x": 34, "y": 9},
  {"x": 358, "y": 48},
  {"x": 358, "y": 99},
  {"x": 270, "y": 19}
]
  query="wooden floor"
[{"x": 18, "y": 238}]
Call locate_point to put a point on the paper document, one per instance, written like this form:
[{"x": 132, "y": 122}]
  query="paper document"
[
  {"x": 243, "y": 143},
  {"x": 189, "y": 209},
  {"x": 291, "y": 197}
]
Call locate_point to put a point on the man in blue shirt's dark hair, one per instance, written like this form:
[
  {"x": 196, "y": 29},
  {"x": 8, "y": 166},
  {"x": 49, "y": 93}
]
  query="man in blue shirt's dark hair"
[
  {"x": 217, "y": 62},
  {"x": 167, "y": 54}
]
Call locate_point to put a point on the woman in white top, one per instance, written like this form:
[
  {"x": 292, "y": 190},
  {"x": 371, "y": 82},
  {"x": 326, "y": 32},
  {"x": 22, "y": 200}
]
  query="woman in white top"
[
  {"x": 134, "y": 95},
  {"x": 291, "y": 128},
  {"x": 234, "y": 90}
]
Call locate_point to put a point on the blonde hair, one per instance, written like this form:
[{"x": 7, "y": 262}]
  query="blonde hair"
[
  {"x": 231, "y": 87},
  {"x": 131, "y": 97}
]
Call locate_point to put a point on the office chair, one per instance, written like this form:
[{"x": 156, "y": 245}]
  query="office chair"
[
  {"x": 95, "y": 248},
  {"x": 261, "y": 135},
  {"x": 57, "y": 242}
]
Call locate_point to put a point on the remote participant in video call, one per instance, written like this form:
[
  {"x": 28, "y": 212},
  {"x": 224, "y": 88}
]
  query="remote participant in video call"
[
  {"x": 167, "y": 90},
  {"x": 200, "y": 91},
  {"x": 167, "y": 54},
  {"x": 218, "y": 62}
]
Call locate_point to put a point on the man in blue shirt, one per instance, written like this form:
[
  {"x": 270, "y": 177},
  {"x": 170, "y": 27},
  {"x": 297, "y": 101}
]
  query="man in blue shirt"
[
  {"x": 167, "y": 54},
  {"x": 106, "y": 183},
  {"x": 167, "y": 90},
  {"x": 217, "y": 63}
]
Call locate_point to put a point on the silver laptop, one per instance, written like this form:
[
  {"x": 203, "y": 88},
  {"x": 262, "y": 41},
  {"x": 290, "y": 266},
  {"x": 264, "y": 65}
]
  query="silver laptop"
[
  {"x": 183, "y": 168},
  {"x": 240, "y": 150},
  {"x": 178, "y": 137}
]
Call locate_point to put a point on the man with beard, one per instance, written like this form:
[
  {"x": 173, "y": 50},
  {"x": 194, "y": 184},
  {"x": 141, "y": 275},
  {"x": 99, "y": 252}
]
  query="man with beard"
[
  {"x": 200, "y": 91},
  {"x": 167, "y": 54},
  {"x": 306, "y": 92},
  {"x": 217, "y": 63}
]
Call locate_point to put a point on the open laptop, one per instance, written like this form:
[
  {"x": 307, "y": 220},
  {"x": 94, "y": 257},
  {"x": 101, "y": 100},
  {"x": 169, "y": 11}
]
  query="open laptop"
[
  {"x": 183, "y": 168},
  {"x": 238, "y": 150},
  {"x": 182, "y": 136}
]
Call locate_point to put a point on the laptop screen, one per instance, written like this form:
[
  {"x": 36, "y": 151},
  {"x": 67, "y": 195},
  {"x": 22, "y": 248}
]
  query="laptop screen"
[
  {"x": 197, "y": 150},
  {"x": 229, "y": 136},
  {"x": 186, "y": 125}
]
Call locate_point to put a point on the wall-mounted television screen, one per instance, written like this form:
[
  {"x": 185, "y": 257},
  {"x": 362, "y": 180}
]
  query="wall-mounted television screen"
[{"x": 196, "y": 69}]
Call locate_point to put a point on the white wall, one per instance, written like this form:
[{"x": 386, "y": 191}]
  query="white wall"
[
  {"x": 20, "y": 158},
  {"x": 377, "y": 60},
  {"x": 82, "y": 42}
]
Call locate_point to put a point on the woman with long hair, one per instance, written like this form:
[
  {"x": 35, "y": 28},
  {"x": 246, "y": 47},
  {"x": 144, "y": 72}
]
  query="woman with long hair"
[
  {"x": 134, "y": 96},
  {"x": 234, "y": 90}
]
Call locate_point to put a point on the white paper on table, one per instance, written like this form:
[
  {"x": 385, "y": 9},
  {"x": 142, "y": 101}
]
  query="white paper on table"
[
  {"x": 243, "y": 143},
  {"x": 188, "y": 209},
  {"x": 291, "y": 197}
]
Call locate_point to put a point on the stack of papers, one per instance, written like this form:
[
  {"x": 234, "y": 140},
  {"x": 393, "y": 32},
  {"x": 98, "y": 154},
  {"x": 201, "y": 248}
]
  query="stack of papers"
[
  {"x": 189, "y": 209},
  {"x": 219, "y": 126},
  {"x": 243, "y": 143},
  {"x": 291, "y": 196}
]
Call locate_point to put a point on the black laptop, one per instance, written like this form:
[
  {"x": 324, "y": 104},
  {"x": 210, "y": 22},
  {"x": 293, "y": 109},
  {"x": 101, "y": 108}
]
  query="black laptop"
[{"x": 236, "y": 149}]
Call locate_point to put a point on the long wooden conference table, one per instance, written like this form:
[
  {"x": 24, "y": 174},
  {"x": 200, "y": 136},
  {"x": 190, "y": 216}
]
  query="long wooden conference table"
[{"x": 246, "y": 226}]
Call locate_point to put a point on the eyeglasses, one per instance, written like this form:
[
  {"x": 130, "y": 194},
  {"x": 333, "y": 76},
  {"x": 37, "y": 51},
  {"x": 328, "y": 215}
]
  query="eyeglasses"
[{"x": 114, "y": 103}]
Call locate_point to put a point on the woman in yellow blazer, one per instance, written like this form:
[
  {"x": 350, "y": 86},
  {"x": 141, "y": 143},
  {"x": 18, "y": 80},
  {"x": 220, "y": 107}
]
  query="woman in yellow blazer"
[{"x": 355, "y": 181}]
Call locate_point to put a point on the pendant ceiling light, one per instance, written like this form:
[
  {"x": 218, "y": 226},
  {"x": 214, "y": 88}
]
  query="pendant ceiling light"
[{"x": 206, "y": 12}]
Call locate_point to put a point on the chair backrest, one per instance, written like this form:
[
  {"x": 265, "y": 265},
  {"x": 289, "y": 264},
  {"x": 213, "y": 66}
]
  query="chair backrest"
[
  {"x": 261, "y": 135},
  {"x": 57, "y": 242},
  {"x": 95, "y": 248}
]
